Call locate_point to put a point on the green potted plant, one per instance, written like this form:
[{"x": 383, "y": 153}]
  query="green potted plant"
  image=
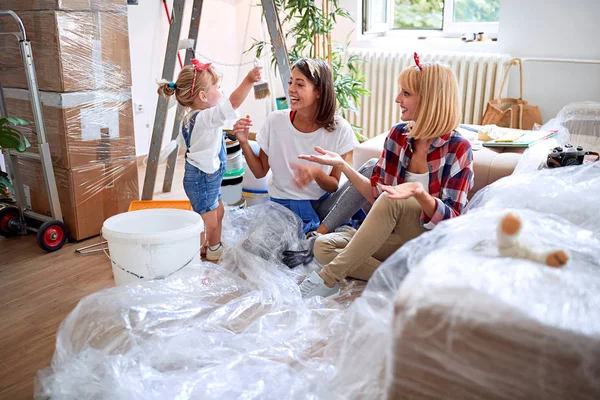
[
  {"x": 10, "y": 138},
  {"x": 309, "y": 26}
]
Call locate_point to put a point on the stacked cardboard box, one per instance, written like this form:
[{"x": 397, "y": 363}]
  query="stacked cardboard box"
[
  {"x": 82, "y": 127},
  {"x": 82, "y": 61},
  {"x": 73, "y": 50},
  {"x": 88, "y": 194}
]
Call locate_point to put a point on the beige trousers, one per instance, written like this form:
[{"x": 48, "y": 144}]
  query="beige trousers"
[{"x": 389, "y": 225}]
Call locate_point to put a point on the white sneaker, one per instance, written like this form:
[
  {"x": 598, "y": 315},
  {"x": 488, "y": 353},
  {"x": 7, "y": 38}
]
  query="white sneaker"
[
  {"x": 312, "y": 234},
  {"x": 214, "y": 254},
  {"x": 314, "y": 285}
]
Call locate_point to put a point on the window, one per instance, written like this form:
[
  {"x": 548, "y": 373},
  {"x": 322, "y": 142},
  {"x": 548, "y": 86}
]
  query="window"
[{"x": 439, "y": 17}]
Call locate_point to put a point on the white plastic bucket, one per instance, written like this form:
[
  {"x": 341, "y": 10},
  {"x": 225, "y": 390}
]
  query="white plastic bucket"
[
  {"x": 231, "y": 190},
  {"x": 235, "y": 162},
  {"x": 255, "y": 197},
  {"x": 153, "y": 243}
]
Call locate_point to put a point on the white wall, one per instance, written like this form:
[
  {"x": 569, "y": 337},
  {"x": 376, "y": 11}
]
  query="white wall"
[
  {"x": 528, "y": 28},
  {"x": 221, "y": 39},
  {"x": 549, "y": 29}
]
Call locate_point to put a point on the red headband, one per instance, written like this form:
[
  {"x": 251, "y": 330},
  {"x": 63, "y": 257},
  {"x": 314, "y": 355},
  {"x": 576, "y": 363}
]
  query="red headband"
[
  {"x": 418, "y": 61},
  {"x": 198, "y": 67}
]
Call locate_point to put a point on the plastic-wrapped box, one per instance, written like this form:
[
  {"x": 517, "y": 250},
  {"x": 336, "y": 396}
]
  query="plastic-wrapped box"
[
  {"x": 570, "y": 192},
  {"x": 88, "y": 195},
  {"x": 577, "y": 124},
  {"x": 469, "y": 324},
  {"x": 582, "y": 120},
  {"x": 73, "y": 51},
  {"x": 83, "y": 128},
  {"x": 69, "y": 5}
]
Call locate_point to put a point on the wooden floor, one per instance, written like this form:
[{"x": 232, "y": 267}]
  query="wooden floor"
[{"x": 39, "y": 289}]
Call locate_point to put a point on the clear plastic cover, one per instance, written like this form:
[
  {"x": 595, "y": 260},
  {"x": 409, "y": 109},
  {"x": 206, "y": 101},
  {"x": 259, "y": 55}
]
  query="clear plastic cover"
[
  {"x": 577, "y": 124},
  {"x": 470, "y": 324},
  {"x": 570, "y": 192},
  {"x": 582, "y": 120},
  {"x": 82, "y": 61},
  {"x": 88, "y": 195},
  {"x": 73, "y": 51},
  {"x": 82, "y": 128},
  {"x": 83, "y": 71},
  {"x": 235, "y": 330},
  {"x": 69, "y": 5},
  {"x": 465, "y": 323}
]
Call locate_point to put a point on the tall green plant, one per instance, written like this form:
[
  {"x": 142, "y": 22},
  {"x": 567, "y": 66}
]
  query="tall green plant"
[
  {"x": 10, "y": 138},
  {"x": 304, "y": 19}
]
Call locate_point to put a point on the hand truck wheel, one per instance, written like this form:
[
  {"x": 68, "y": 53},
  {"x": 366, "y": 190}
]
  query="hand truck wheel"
[
  {"x": 7, "y": 215},
  {"x": 52, "y": 235}
]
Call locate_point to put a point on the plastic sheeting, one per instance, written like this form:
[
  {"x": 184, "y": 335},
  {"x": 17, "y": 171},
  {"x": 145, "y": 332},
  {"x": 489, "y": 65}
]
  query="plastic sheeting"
[
  {"x": 569, "y": 192},
  {"x": 236, "y": 330},
  {"x": 577, "y": 124},
  {"x": 582, "y": 120},
  {"x": 88, "y": 195},
  {"x": 83, "y": 128},
  {"x": 444, "y": 317},
  {"x": 83, "y": 72},
  {"x": 469, "y": 324},
  {"x": 73, "y": 51}
]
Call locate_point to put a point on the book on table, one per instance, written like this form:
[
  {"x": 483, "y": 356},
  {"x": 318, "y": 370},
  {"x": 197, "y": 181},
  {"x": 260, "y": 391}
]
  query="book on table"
[{"x": 518, "y": 138}]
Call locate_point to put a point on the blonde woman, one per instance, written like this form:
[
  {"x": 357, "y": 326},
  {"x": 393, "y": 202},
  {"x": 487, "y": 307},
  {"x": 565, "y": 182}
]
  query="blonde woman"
[{"x": 422, "y": 178}]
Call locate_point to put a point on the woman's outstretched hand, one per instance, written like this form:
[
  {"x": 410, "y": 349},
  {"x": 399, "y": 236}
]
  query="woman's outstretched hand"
[
  {"x": 403, "y": 191},
  {"x": 304, "y": 174},
  {"x": 326, "y": 158},
  {"x": 241, "y": 128}
]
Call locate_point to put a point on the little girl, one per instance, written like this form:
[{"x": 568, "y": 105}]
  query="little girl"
[{"x": 198, "y": 89}]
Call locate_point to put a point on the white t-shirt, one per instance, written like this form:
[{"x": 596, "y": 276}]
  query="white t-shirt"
[
  {"x": 283, "y": 143},
  {"x": 207, "y": 136},
  {"x": 423, "y": 178}
]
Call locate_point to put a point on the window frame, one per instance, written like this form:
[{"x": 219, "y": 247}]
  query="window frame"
[{"x": 449, "y": 27}]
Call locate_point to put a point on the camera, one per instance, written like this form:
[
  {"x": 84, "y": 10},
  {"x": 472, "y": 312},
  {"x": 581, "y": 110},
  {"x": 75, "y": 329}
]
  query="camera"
[{"x": 567, "y": 156}]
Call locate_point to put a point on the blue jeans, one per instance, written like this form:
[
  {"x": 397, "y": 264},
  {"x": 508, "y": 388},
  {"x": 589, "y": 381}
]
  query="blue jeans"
[
  {"x": 204, "y": 190},
  {"x": 304, "y": 209},
  {"x": 332, "y": 210}
]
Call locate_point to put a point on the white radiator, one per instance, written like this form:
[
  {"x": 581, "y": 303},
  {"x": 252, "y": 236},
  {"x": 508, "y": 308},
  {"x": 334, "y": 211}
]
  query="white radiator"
[{"x": 479, "y": 76}]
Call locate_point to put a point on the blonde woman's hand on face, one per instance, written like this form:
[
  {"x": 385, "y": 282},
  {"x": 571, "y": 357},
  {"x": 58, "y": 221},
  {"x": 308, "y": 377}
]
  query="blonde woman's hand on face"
[
  {"x": 254, "y": 75},
  {"x": 241, "y": 128},
  {"x": 403, "y": 191},
  {"x": 304, "y": 174},
  {"x": 326, "y": 158}
]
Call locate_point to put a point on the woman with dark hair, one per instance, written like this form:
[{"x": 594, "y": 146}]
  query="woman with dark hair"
[{"x": 309, "y": 190}]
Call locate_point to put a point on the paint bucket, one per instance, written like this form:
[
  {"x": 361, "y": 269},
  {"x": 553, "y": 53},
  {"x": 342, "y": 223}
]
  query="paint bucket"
[
  {"x": 231, "y": 189},
  {"x": 235, "y": 158},
  {"x": 153, "y": 243},
  {"x": 254, "y": 197}
]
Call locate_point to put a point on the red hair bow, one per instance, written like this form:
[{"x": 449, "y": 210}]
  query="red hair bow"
[
  {"x": 418, "y": 61},
  {"x": 198, "y": 67}
]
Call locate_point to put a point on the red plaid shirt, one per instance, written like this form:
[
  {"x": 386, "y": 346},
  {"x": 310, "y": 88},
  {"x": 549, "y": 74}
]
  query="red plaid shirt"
[{"x": 450, "y": 162}]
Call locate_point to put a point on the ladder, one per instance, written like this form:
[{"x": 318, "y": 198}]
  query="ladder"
[{"x": 281, "y": 55}]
